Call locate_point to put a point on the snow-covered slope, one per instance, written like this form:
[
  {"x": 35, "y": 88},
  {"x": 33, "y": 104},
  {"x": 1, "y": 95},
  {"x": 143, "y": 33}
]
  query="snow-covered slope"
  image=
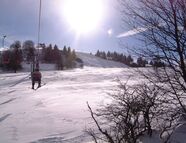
[
  {"x": 56, "y": 112},
  {"x": 93, "y": 61},
  {"x": 88, "y": 60}
]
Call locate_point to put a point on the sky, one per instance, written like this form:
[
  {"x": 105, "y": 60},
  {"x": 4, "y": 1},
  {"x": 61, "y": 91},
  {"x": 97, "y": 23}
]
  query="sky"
[{"x": 19, "y": 21}]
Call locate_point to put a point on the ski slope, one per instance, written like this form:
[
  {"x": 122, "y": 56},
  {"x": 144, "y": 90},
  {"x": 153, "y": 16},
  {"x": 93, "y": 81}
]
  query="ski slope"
[
  {"x": 93, "y": 61},
  {"x": 57, "y": 112}
]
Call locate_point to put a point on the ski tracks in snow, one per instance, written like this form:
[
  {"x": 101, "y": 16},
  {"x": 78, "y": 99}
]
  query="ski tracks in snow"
[{"x": 59, "y": 106}]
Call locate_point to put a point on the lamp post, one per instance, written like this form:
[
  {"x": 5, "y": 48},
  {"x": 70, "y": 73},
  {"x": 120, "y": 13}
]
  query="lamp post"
[{"x": 3, "y": 41}]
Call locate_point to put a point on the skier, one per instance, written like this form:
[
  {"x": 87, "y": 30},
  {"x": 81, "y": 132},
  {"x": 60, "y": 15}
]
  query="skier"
[{"x": 36, "y": 77}]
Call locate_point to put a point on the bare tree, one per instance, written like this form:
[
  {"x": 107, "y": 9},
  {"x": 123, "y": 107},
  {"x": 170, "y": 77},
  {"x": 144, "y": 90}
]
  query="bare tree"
[
  {"x": 165, "y": 39},
  {"x": 16, "y": 56},
  {"x": 165, "y": 34},
  {"x": 135, "y": 111},
  {"x": 162, "y": 28}
]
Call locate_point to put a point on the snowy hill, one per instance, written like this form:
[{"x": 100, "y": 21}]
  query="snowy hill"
[
  {"x": 57, "y": 112},
  {"x": 88, "y": 60},
  {"x": 93, "y": 61}
]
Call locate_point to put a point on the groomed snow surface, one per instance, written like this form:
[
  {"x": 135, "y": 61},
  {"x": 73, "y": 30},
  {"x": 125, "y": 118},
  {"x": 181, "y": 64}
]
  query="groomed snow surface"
[{"x": 57, "y": 112}]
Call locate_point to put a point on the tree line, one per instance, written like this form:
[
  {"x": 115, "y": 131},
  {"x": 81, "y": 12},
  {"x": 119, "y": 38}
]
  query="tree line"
[
  {"x": 64, "y": 58},
  {"x": 17, "y": 53},
  {"x": 129, "y": 60}
]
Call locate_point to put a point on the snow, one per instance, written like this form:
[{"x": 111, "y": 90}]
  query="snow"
[
  {"x": 57, "y": 112},
  {"x": 93, "y": 61}
]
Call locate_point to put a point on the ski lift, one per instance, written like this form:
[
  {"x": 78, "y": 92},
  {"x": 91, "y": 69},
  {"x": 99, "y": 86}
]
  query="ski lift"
[
  {"x": 35, "y": 60},
  {"x": 35, "y": 63}
]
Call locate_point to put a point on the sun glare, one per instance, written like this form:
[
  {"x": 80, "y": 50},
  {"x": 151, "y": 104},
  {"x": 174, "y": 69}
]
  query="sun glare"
[
  {"x": 110, "y": 32},
  {"x": 83, "y": 16}
]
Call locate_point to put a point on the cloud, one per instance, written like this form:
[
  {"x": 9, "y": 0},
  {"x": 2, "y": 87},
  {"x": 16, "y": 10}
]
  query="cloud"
[
  {"x": 142, "y": 29},
  {"x": 131, "y": 32}
]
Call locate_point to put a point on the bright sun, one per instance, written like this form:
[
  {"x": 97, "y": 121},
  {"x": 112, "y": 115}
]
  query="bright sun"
[{"x": 83, "y": 16}]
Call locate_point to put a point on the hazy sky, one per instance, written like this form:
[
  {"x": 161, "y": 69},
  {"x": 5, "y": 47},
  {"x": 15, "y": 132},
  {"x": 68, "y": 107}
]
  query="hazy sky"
[{"x": 19, "y": 21}]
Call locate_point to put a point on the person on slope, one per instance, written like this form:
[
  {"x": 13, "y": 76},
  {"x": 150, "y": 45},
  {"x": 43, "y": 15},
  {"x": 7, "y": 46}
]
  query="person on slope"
[{"x": 36, "y": 77}]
